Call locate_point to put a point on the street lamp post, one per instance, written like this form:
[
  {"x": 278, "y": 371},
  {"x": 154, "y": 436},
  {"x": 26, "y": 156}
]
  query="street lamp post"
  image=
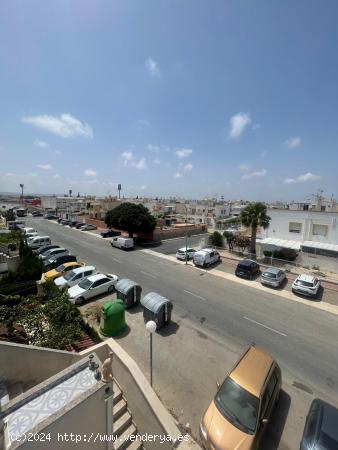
[{"x": 151, "y": 328}]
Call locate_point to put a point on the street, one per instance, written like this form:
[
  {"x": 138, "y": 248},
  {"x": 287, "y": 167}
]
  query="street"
[{"x": 214, "y": 319}]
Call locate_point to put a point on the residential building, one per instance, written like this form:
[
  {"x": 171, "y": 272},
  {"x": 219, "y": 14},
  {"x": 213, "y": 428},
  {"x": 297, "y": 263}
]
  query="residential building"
[
  {"x": 66, "y": 205},
  {"x": 306, "y": 230}
]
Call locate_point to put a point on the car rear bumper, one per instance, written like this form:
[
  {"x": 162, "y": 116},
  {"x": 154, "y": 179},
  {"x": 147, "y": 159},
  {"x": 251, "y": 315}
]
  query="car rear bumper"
[
  {"x": 270, "y": 283},
  {"x": 301, "y": 291}
]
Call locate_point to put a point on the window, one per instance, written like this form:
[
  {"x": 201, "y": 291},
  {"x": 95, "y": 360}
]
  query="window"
[
  {"x": 295, "y": 227},
  {"x": 319, "y": 230}
]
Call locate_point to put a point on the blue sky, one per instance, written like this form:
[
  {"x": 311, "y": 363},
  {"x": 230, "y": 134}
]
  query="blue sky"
[{"x": 235, "y": 98}]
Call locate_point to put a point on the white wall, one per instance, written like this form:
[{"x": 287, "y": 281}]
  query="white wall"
[{"x": 280, "y": 219}]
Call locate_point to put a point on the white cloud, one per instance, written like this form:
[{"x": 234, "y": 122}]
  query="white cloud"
[
  {"x": 153, "y": 148},
  {"x": 45, "y": 166},
  {"x": 90, "y": 173},
  {"x": 130, "y": 161},
  {"x": 56, "y": 176},
  {"x": 182, "y": 169},
  {"x": 152, "y": 67},
  {"x": 31, "y": 174},
  {"x": 64, "y": 125},
  {"x": 258, "y": 173},
  {"x": 302, "y": 178},
  {"x": 178, "y": 175},
  {"x": 238, "y": 123},
  {"x": 144, "y": 187},
  {"x": 140, "y": 164},
  {"x": 294, "y": 142},
  {"x": 289, "y": 181},
  {"x": 183, "y": 153},
  {"x": 244, "y": 167},
  {"x": 41, "y": 144},
  {"x": 188, "y": 168},
  {"x": 156, "y": 161},
  {"x": 9, "y": 174}
]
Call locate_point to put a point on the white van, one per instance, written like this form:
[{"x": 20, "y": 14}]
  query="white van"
[
  {"x": 206, "y": 257},
  {"x": 74, "y": 276},
  {"x": 27, "y": 230},
  {"x": 38, "y": 241},
  {"x": 122, "y": 242}
]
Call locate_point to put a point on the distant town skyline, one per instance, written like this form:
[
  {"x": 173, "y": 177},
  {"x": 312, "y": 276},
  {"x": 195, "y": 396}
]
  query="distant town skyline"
[{"x": 170, "y": 99}]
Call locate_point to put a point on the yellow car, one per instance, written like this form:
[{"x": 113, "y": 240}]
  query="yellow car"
[{"x": 51, "y": 275}]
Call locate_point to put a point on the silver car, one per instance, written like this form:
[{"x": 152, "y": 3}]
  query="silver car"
[{"x": 273, "y": 276}]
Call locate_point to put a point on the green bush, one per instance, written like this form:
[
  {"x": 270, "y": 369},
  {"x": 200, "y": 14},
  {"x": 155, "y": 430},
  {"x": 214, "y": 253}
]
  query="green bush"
[{"x": 216, "y": 239}]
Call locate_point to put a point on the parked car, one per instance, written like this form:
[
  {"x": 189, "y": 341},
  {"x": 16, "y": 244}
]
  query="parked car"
[
  {"x": 50, "y": 217},
  {"x": 73, "y": 223},
  {"x": 320, "y": 431},
  {"x": 110, "y": 233},
  {"x": 37, "y": 214},
  {"x": 31, "y": 234},
  {"x": 36, "y": 242},
  {"x": 122, "y": 242},
  {"x": 242, "y": 407},
  {"x": 306, "y": 285},
  {"x": 57, "y": 260},
  {"x": 27, "y": 230},
  {"x": 45, "y": 248},
  {"x": 65, "y": 222},
  {"x": 52, "y": 252},
  {"x": 247, "y": 269},
  {"x": 273, "y": 276},
  {"x": 185, "y": 253},
  {"x": 79, "y": 225},
  {"x": 91, "y": 287},
  {"x": 59, "y": 219},
  {"x": 88, "y": 227},
  {"x": 206, "y": 257},
  {"x": 74, "y": 276},
  {"x": 61, "y": 270}
]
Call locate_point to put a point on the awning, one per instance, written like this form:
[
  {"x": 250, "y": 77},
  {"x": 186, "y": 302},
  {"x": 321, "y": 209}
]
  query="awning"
[
  {"x": 320, "y": 245},
  {"x": 280, "y": 243}
]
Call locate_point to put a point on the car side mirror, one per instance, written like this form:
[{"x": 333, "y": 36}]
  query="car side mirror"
[
  {"x": 218, "y": 385},
  {"x": 264, "y": 421}
]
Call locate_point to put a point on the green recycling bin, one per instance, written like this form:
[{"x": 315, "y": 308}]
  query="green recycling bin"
[{"x": 113, "y": 318}]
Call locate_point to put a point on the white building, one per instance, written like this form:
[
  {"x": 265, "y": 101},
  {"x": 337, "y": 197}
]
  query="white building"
[
  {"x": 64, "y": 204},
  {"x": 309, "y": 231}
]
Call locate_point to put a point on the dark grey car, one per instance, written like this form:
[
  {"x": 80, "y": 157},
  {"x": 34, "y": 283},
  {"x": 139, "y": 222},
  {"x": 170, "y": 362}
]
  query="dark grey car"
[{"x": 321, "y": 430}]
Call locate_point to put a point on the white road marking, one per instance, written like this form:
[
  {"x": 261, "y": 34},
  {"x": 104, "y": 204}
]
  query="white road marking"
[
  {"x": 117, "y": 260},
  {"x": 264, "y": 326},
  {"x": 148, "y": 274},
  {"x": 195, "y": 295}
]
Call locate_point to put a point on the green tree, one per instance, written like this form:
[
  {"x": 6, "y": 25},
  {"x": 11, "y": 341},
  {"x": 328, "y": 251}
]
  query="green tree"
[
  {"x": 9, "y": 215},
  {"x": 254, "y": 215},
  {"x": 241, "y": 242},
  {"x": 131, "y": 218},
  {"x": 229, "y": 238},
  {"x": 216, "y": 239}
]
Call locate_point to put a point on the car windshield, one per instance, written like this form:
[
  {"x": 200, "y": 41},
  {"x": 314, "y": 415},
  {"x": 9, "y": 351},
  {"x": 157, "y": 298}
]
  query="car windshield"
[
  {"x": 243, "y": 267},
  {"x": 60, "y": 268},
  {"x": 85, "y": 284},
  {"x": 237, "y": 405},
  {"x": 305, "y": 283},
  {"x": 181, "y": 251},
  {"x": 269, "y": 275},
  {"x": 69, "y": 275}
]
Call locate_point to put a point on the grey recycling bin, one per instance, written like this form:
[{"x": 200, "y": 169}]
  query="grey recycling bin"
[
  {"x": 156, "y": 308},
  {"x": 129, "y": 292}
]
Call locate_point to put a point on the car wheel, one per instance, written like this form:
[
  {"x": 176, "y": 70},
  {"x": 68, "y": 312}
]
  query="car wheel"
[
  {"x": 79, "y": 301},
  {"x": 110, "y": 289}
]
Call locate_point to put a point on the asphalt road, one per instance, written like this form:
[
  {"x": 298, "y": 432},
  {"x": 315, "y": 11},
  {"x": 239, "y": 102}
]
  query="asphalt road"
[{"x": 302, "y": 339}]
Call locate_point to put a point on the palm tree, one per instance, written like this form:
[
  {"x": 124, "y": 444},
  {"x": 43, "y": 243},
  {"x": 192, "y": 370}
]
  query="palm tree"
[{"x": 254, "y": 215}]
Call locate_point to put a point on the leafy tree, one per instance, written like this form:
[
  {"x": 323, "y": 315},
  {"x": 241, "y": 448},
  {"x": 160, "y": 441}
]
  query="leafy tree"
[
  {"x": 229, "y": 238},
  {"x": 131, "y": 218},
  {"x": 254, "y": 215},
  {"x": 241, "y": 242},
  {"x": 9, "y": 215},
  {"x": 216, "y": 239}
]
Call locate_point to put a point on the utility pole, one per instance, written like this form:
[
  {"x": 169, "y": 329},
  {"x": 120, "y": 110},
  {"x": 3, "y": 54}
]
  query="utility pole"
[
  {"x": 21, "y": 185},
  {"x": 119, "y": 187}
]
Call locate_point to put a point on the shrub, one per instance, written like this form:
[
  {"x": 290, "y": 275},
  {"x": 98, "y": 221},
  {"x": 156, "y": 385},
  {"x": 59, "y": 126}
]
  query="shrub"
[
  {"x": 242, "y": 242},
  {"x": 216, "y": 239}
]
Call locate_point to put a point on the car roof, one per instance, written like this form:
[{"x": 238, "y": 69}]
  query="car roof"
[
  {"x": 246, "y": 262},
  {"x": 58, "y": 256},
  {"x": 326, "y": 418},
  {"x": 252, "y": 370},
  {"x": 305, "y": 277},
  {"x": 83, "y": 269},
  {"x": 183, "y": 249},
  {"x": 97, "y": 276},
  {"x": 204, "y": 251},
  {"x": 274, "y": 270},
  {"x": 70, "y": 264}
]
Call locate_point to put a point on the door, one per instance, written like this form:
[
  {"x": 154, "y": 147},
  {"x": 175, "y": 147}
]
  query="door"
[{"x": 76, "y": 279}]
